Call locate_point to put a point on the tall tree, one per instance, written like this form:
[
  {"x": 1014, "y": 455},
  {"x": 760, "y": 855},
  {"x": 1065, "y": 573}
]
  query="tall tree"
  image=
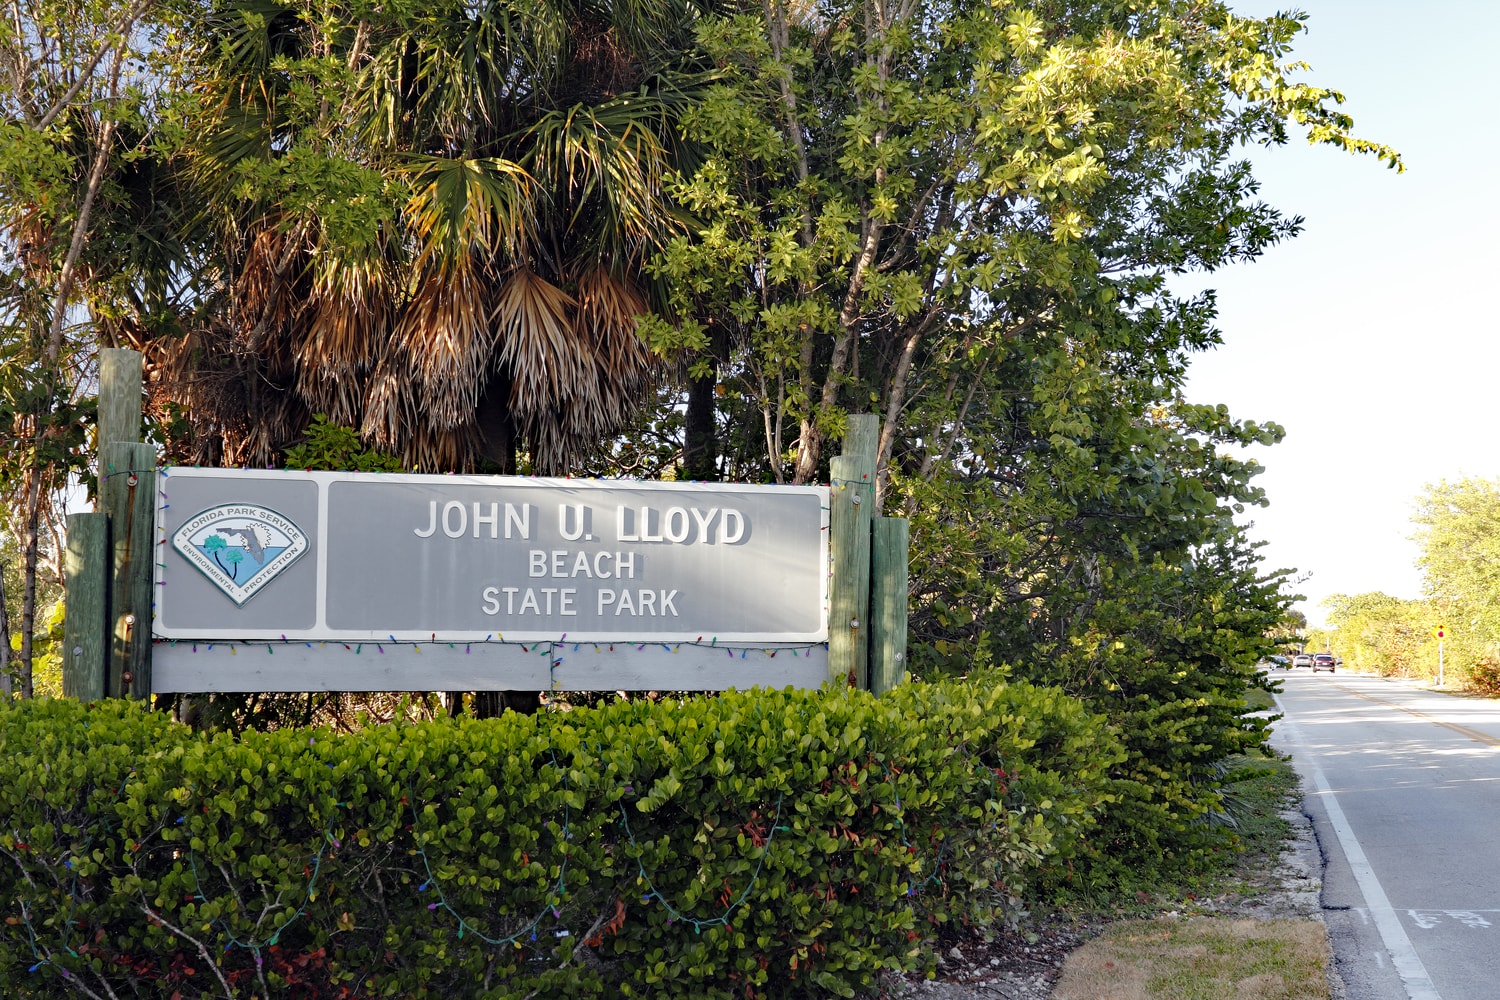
[
  {"x": 430, "y": 223},
  {"x": 1384, "y": 634},
  {"x": 964, "y": 217},
  {"x": 70, "y": 95},
  {"x": 899, "y": 188},
  {"x": 1458, "y": 535}
]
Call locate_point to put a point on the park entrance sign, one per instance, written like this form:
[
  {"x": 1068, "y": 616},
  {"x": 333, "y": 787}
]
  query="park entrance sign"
[
  {"x": 203, "y": 580},
  {"x": 488, "y": 576},
  {"x": 333, "y": 555}
]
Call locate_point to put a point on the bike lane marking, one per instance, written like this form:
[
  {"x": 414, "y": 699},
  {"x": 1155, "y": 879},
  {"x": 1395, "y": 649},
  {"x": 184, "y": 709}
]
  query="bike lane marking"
[{"x": 1404, "y": 956}]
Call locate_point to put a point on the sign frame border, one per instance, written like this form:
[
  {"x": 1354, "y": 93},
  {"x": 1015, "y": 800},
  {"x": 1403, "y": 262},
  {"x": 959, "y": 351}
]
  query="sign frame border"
[{"x": 318, "y": 633}]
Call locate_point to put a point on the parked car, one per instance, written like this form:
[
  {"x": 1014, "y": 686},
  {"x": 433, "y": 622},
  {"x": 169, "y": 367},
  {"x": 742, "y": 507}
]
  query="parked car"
[
  {"x": 1323, "y": 661},
  {"x": 1278, "y": 662},
  {"x": 1302, "y": 660}
]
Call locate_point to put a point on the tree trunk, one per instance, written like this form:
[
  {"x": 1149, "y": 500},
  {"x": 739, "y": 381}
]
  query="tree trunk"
[
  {"x": 53, "y": 352},
  {"x": 493, "y": 704},
  {"x": 5, "y": 678},
  {"x": 700, "y": 444},
  {"x": 497, "y": 427},
  {"x": 700, "y": 438},
  {"x": 810, "y": 438},
  {"x": 28, "y": 572},
  {"x": 894, "y": 403}
]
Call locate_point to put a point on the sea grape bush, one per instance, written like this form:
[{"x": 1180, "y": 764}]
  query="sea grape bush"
[{"x": 755, "y": 844}]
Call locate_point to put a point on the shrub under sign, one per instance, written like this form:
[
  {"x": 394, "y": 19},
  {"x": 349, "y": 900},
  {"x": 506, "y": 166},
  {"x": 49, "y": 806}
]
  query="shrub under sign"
[{"x": 497, "y": 581}]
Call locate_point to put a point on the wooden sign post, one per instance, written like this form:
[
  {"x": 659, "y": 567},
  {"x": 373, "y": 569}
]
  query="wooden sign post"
[
  {"x": 868, "y": 594},
  {"x": 110, "y": 554}
]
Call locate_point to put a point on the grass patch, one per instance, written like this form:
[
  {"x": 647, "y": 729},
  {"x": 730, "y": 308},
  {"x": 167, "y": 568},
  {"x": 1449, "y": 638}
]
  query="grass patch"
[
  {"x": 1205, "y": 958},
  {"x": 1257, "y": 788},
  {"x": 1259, "y": 700},
  {"x": 1156, "y": 957}
]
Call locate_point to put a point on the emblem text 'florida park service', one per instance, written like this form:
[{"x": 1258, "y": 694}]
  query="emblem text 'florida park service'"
[{"x": 240, "y": 547}]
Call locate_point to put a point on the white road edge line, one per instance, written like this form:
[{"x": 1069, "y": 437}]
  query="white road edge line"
[{"x": 1403, "y": 956}]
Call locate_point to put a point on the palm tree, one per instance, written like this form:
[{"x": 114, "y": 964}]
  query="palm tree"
[{"x": 432, "y": 223}]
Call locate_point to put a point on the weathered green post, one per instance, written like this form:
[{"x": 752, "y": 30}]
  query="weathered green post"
[
  {"x": 85, "y": 627},
  {"x": 889, "y": 543},
  {"x": 110, "y": 555},
  {"x": 862, "y": 436},
  {"x": 850, "y": 507},
  {"x": 128, "y": 472},
  {"x": 120, "y": 377},
  {"x": 880, "y": 640},
  {"x": 851, "y": 497}
]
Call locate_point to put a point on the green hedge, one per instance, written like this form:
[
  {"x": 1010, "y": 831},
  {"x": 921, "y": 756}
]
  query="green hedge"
[{"x": 754, "y": 844}]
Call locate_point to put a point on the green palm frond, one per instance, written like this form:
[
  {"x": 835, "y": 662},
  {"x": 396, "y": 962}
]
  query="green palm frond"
[
  {"x": 449, "y": 80},
  {"x": 463, "y": 206},
  {"x": 604, "y": 168}
]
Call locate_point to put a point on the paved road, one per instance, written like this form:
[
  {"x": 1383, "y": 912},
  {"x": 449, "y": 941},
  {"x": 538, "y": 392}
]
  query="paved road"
[{"x": 1403, "y": 786}]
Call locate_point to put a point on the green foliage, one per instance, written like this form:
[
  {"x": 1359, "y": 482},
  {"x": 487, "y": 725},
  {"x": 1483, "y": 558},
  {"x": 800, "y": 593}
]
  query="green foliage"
[
  {"x": 968, "y": 222},
  {"x": 1165, "y": 646},
  {"x": 47, "y": 630},
  {"x": 754, "y": 844},
  {"x": 46, "y": 649},
  {"x": 1168, "y": 651},
  {"x": 1381, "y": 634},
  {"x": 1083, "y": 533},
  {"x": 425, "y": 220},
  {"x": 896, "y": 205},
  {"x": 329, "y": 447},
  {"x": 1458, "y": 532},
  {"x": 1248, "y": 834}
]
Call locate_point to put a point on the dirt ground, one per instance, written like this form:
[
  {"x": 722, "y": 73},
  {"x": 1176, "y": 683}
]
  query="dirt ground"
[{"x": 1015, "y": 968}]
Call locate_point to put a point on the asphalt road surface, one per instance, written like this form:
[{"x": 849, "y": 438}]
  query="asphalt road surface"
[{"x": 1403, "y": 787}]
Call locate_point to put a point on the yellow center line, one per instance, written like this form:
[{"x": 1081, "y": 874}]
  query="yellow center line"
[{"x": 1472, "y": 734}]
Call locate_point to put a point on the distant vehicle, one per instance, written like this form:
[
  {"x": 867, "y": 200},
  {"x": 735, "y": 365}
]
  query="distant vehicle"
[
  {"x": 1302, "y": 660},
  {"x": 1323, "y": 661},
  {"x": 1279, "y": 661}
]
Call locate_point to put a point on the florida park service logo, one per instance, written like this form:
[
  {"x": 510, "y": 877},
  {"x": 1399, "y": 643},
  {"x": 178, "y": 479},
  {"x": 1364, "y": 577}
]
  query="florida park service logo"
[{"x": 240, "y": 547}]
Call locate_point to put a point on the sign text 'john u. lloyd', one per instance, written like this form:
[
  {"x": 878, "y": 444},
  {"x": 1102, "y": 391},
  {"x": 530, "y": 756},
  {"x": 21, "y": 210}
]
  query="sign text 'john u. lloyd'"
[{"x": 322, "y": 555}]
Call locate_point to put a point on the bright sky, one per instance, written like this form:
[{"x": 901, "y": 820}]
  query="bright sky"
[{"x": 1372, "y": 337}]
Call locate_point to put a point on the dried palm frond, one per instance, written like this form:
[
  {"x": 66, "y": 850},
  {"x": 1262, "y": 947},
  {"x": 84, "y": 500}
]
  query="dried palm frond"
[
  {"x": 446, "y": 340},
  {"x": 268, "y": 298},
  {"x": 614, "y": 384},
  {"x": 625, "y": 366},
  {"x": 280, "y": 418},
  {"x": 349, "y": 318},
  {"x": 524, "y": 151},
  {"x": 534, "y": 320},
  {"x": 429, "y": 449},
  {"x": 386, "y": 421}
]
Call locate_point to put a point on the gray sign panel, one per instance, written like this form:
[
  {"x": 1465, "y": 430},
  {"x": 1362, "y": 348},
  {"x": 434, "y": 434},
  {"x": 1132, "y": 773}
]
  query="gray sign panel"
[{"x": 267, "y": 555}]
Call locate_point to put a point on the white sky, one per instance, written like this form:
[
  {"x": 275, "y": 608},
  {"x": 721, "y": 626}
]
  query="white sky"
[{"x": 1371, "y": 337}]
